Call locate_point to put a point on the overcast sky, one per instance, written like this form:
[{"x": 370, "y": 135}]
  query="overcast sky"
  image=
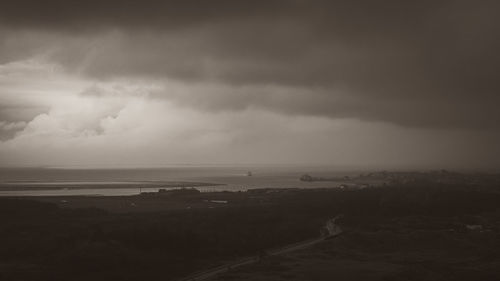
[{"x": 147, "y": 83}]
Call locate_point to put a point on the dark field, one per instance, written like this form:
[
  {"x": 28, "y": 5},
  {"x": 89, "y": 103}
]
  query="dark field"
[{"x": 413, "y": 231}]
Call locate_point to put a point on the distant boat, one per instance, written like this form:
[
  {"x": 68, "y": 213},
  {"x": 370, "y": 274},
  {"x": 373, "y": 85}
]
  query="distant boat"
[{"x": 249, "y": 174}]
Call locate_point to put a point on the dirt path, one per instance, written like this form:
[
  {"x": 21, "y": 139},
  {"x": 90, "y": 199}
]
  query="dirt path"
[{"x": 207, "y": 274}]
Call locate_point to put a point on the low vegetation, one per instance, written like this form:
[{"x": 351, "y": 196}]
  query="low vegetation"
[{"x": 42, "y": 241}]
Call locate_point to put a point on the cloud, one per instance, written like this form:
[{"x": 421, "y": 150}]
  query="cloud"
[
  {"x": 9, "y": 129},
  {"x": 150, "y": 13},
  {"x": 386, "y": 61},
  {"x": 30, "y": 87},
  {"x": 148, "y": 132},
  {"x": 278, "y": 81},
  {"x": 142, "y": 123}
]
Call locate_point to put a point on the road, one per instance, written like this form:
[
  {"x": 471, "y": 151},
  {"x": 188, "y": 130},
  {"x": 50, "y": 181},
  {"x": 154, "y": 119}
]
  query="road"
[{"x": 210, "y": 273}]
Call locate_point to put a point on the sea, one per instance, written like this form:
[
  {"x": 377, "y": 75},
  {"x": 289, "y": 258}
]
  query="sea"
[{"x": 56, "y": 181}]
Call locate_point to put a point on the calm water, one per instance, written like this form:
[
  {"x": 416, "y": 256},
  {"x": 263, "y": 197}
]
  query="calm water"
[{"x": 107, "y": 182}]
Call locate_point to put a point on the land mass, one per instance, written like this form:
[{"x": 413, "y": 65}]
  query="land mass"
[
  {"x": 412, "y": 230},
  {"x": 57, "y": 185}
]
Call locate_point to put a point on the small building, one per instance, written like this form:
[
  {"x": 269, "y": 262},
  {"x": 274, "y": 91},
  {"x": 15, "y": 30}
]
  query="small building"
[{"x": 306, "y": 177}]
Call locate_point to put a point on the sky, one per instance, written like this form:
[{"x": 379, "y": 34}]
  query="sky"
[{"x": 151, "y": 83}]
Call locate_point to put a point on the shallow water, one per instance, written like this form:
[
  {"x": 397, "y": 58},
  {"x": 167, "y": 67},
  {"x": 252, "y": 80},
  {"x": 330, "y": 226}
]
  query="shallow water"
[{"x": 121, "y": 182}]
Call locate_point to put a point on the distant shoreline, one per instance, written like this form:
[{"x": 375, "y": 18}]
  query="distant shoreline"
[{"x": 72, "y": 185}]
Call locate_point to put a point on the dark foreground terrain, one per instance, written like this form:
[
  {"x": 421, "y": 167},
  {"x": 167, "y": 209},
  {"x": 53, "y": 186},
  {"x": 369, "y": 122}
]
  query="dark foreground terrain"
[
  {"x": 410, "y": 231},
  {"x": 405, "y": 248}
]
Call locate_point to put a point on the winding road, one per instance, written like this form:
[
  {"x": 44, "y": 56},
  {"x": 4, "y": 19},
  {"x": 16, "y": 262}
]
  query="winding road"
[{"x": 210, "y": 273}]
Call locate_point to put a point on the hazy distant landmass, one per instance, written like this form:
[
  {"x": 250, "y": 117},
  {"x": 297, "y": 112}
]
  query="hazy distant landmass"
[
  {"x": 114, "y": 181},
  {"x": 54, "y": 181}
]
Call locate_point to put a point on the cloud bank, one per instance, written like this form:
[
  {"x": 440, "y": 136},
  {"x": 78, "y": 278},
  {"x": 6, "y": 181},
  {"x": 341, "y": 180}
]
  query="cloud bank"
[{"x": 199, "y": 76}]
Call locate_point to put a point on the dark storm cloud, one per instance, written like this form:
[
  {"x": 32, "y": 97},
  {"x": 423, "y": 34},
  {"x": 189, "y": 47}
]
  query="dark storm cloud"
[
  {"x": 74, "y": 14},
  {"x": 415, "y": 63},
  {"x": 19, "y": 113}
]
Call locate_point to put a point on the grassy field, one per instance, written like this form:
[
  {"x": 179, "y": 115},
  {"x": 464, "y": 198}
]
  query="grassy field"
[
  {"x": 400, "y": 232},
  {"x": 409, "y": 248}
]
